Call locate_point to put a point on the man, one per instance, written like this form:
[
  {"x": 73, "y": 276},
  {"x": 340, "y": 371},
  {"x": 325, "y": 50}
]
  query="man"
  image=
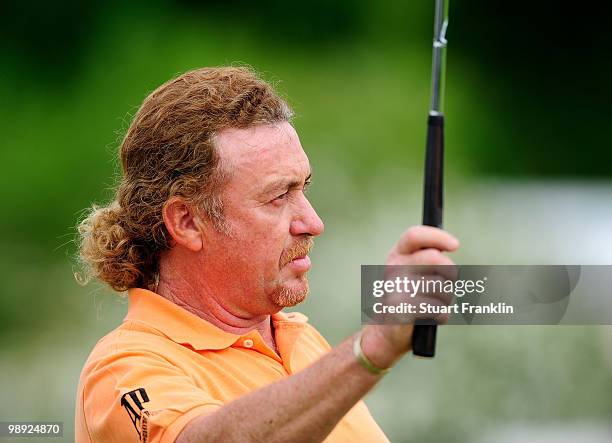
[{"x": 210, "y": 233}]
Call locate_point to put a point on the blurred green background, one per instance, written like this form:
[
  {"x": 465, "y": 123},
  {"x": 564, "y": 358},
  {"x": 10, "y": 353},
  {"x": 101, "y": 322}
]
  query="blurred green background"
[{"x": 529, "y": 181}]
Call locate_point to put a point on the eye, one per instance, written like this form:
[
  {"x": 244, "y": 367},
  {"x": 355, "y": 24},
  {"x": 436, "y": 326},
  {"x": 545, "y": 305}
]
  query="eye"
[{"x": 283, "y": 196}]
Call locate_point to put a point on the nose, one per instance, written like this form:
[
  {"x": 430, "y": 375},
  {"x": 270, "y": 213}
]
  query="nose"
[{"x": 306, "y": 220}]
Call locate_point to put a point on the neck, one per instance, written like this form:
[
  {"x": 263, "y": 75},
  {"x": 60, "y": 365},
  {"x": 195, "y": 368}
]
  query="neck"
[{"x": 204, "y": 303}]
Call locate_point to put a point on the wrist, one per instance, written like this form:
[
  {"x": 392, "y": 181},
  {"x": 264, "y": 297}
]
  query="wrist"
[
  {"x": 363, "y": 360},
  {"x": 379, "y": 349}
]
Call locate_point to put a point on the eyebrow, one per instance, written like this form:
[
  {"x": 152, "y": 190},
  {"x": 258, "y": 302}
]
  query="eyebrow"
[{"x": 284, "y": 183}]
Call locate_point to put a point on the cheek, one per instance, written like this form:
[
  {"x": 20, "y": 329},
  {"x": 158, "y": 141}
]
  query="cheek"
[
  {"x": 261, "y": 236},
  {"x": 261, "y": 249}
]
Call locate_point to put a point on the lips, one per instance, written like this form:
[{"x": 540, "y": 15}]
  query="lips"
[{"x": 300, "y": 264}]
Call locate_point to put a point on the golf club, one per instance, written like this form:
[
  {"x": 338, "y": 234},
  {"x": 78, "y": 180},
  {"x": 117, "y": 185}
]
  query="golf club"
[{"x": 424, "y": 335}]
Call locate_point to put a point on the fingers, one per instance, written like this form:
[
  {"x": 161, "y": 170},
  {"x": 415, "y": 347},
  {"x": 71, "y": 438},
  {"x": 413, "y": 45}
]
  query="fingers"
[
  {"x": 424, "y": 237},
  {"x": 436, "y": 304},
  {"x": 436, "y": 312},
  {"x": 418, "y": 259},
  {"x": 423, "y": 257},
  {"x": 428, "y": 307},
  {"x": 425, "y": 261},
  {"x": 428, "y": 303},
  {"x": 429, "y": 256},
  {"x": 445, "y": 297}
]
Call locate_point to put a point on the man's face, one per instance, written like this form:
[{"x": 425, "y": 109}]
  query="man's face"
[{"x": 270, "y": 221}]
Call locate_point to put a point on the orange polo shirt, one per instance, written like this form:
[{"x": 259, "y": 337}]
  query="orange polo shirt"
[{"x": 163, "y": 367}]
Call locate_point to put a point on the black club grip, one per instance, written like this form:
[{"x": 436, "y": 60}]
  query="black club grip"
[{"x": 424, "y": 335}]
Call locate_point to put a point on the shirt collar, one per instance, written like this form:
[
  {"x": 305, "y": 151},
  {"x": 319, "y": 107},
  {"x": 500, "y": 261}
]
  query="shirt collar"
[{"x": 183, "y": 327}]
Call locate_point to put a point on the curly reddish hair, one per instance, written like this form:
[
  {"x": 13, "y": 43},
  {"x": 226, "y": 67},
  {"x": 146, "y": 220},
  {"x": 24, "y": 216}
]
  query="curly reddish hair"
[{"x": 169, "y": 151}]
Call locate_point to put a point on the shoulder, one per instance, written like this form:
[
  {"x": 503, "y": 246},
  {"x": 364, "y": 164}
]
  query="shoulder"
[
  {"x": 130, "y": 348},
  {"x": 130, "y": 339},
  {"x": 133, "y": 388}
]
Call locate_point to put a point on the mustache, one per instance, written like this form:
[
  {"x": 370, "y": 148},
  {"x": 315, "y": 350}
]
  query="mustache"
[{"x": 299, "y": 249}]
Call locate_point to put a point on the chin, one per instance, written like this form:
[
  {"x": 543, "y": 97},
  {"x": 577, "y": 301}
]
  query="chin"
[{"x": 290, "y": 294}]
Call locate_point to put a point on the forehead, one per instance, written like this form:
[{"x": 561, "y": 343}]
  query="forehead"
[{"x": 262, "y": 152}]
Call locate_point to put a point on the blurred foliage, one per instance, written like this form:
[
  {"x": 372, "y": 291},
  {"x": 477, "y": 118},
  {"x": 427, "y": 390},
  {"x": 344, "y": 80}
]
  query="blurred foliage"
[
  {"x": 527, "y": 97},
  {"x": 522, "y": 95}
]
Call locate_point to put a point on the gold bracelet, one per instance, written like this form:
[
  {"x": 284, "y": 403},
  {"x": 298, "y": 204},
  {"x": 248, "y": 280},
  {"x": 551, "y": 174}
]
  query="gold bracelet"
[{"x": 365, "y": 361}]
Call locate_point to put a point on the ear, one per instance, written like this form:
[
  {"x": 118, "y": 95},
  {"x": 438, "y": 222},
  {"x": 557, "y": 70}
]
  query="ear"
[{"x": 183, "y": 224}]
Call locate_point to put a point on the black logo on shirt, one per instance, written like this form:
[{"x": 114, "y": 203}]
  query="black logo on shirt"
[{"x": 133, "y": 403}]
